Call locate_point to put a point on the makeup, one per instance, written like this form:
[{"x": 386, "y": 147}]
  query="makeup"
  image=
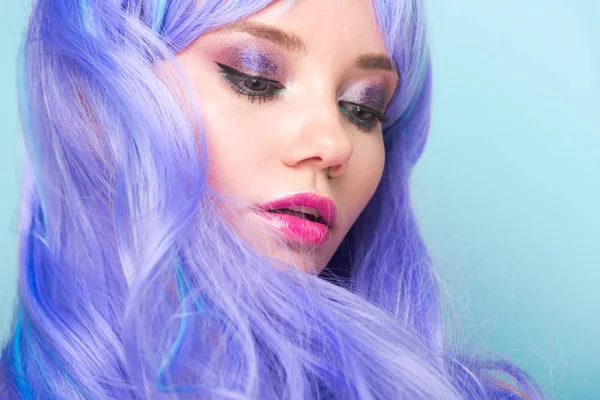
[
  {"x": 303, "y": 217},
  {"x": 252, "y": 59},
  {"x": 256, "y": 61},
  {"x": 372, "y": 95},
  {"x": 298, "y": 230}
]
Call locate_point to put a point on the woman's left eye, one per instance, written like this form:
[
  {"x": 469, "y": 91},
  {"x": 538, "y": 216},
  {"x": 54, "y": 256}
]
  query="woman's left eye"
[
  {"x": 253, "y": 87},
  {"x": 365, "y": 118}
]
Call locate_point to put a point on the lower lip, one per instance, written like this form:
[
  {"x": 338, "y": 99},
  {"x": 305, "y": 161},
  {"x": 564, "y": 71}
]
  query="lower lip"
[{"x": 298, "y": 229}]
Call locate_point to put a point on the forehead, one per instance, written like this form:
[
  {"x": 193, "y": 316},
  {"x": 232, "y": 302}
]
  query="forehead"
[{"x": 327, "y": 25}]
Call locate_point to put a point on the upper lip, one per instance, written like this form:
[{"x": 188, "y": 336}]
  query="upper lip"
[{"x": 321, "y": 204}]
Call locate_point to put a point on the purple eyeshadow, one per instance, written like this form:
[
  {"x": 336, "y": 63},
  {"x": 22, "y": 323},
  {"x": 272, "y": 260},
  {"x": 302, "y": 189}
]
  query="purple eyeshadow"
[
  {"x": 373, "y": 96},
  {"x": 255, "y": 62}
]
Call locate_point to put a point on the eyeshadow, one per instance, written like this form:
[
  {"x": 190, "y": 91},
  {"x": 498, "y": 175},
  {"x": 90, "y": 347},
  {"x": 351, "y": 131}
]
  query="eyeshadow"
[
  {"x": 253, "y": 61},
  {"x": 371, "y": 95}
]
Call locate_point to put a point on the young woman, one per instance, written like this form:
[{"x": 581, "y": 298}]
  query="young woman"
[{"x": 215, "y": 205}]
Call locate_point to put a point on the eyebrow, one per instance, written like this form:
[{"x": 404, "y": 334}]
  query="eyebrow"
[
  {"x": 287, "y": 41},
  {"x": 374, "y": 62},
  {"x": 293, "y": 43}
]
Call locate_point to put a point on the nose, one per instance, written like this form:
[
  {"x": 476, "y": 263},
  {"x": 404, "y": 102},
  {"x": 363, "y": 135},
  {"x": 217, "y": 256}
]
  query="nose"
[{"x": 320, "y": 140}]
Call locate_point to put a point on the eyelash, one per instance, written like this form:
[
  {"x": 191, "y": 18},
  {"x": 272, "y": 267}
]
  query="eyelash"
[
  {"x": 365, "y": 125},
  {"x": 237, "y": 81}
]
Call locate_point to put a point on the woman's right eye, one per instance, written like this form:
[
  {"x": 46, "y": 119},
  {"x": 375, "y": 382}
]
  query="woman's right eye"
[{"x": 253, "y": 87}]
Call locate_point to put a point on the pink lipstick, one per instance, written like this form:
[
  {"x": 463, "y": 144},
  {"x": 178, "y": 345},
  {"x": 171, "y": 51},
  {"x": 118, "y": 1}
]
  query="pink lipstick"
[{"x": 302, "y": 217}]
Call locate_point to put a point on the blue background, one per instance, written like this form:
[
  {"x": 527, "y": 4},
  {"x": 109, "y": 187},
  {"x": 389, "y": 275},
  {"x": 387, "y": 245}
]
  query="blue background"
[{"x": 507, "y": 190}]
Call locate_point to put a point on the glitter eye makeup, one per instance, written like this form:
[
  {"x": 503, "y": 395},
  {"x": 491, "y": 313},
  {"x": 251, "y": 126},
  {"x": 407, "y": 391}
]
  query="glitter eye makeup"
[
  {"x": 257, "y": 72},
  {"x": 253, "y": 87},
  {"x": 364, "y": 105},
  {"x": 251, "y": 70},
  {"x": 252, "y": 60},
  {"x": 371, "y": 95},
  {"x": 255, "y": 62},
  {"x": 374, "y": 97}
]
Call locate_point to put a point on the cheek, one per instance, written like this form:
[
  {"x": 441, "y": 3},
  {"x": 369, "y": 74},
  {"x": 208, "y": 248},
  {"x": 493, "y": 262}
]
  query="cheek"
[
  {"x": 240, "y": 150},
  {"x": 223, "y": 126},
  {"x": 365, "y": 174},
  {"x": 227, "y": 157},
  {"x": 362, "y": 178},
  {"x": 227, "y": 137}
]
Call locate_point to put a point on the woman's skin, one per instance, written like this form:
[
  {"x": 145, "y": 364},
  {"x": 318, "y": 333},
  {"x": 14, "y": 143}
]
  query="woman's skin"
[{"x": 300, "y": 137}]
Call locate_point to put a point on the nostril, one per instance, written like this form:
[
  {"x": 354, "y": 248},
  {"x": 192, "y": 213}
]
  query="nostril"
[{"x": 335, "y": 171}]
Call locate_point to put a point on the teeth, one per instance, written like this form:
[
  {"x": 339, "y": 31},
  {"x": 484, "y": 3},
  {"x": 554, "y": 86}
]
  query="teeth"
[
  {"x": 306, "y": 210},
  {"x": 302, "y": 212}
]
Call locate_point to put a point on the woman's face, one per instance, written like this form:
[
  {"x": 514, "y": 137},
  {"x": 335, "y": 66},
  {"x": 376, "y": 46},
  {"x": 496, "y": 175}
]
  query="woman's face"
[{"x": 291, "y": 100}]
